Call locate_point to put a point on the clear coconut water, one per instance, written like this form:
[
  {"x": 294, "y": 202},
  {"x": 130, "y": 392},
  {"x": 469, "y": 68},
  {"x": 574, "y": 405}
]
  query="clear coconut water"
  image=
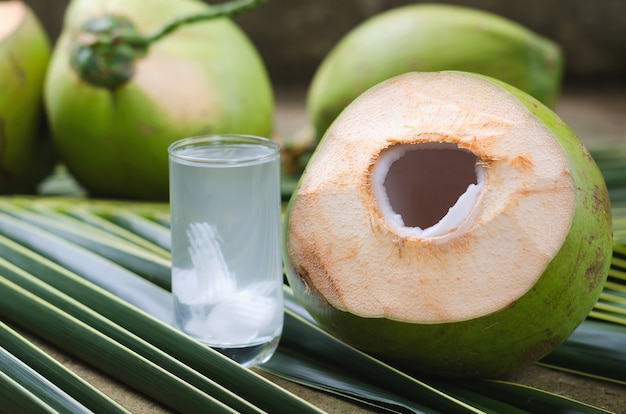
[{"x": 226, "y": 263}]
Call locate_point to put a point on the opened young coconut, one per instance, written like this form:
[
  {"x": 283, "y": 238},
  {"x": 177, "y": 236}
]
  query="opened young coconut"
[{"x": 451, "y": 224}]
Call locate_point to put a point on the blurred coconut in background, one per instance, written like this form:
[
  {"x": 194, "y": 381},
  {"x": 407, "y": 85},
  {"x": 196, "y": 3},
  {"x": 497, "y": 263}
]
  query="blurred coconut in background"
[
  {"x": 26, "y": 153},
  {"x": 293, "y": 36}
]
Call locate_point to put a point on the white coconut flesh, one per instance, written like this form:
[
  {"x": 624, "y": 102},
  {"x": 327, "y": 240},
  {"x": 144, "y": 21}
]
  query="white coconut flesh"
[
  {"x": 436, "y": 201},
  {"x": 11, "y": 15}
]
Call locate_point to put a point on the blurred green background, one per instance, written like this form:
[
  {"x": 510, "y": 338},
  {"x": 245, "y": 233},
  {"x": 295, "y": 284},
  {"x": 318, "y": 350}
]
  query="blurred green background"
[{"x": 294, "y": 35}]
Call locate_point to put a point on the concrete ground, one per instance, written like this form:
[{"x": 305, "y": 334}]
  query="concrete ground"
[{"x": 596, "y": 112}]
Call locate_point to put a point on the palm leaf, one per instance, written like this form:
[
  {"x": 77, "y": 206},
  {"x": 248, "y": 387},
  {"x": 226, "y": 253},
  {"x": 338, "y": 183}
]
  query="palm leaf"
[
  {"x": 93, "y": 267},
  {"x": 320, "y": 375},
  {"x": 112, "y": 331},
  {"x": 307, "y": 354},
  {"x": 595, "y": 349},
  {"x": 80, "y": 339},
  {"x": 529, "y": 399},
  {"x": 17, "y": 398},
  {"x": 152, "y": 266},
  {"x": 488, "y": 396},
  {"x": 69, "y": 383},
  {"x": 304, "y": 337},
  {"x": 114, "y": 320},
  {"x": 40, "y": 387}
]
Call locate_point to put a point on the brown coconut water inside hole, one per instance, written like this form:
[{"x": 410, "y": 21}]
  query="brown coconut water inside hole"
[{"x": 427, "y": 182}]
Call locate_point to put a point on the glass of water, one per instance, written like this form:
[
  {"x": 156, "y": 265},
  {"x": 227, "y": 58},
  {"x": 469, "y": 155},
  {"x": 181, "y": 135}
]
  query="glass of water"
[{"x": 226, "y": 243}]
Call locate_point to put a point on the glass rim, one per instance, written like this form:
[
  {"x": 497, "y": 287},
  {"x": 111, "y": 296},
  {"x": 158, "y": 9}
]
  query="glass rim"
[{"x": 210, "y": 140}]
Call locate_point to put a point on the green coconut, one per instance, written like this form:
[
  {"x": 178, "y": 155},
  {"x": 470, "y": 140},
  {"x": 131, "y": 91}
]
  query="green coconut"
[
  {"x": 26, "y": 153},
  {"x": 451, "y": 224},
  {"x": 432, "y": 37},
  {"x": 112, "y": 127}
]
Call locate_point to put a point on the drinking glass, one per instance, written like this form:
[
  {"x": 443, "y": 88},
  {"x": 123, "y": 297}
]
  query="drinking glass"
[{"x": 226, "y": 243}]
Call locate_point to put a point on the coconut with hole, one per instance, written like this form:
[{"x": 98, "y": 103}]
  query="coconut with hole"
[{"x": 450, "y": 224}]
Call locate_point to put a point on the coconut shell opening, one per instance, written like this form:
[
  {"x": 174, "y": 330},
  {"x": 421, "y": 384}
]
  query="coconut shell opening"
[{"x": 427, "y": 188}]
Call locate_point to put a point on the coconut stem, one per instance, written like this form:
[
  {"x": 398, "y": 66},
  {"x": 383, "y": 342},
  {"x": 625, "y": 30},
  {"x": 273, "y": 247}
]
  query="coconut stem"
[
  {"x": 105, "y": 52},
  {"x": 228, "y": 9}
]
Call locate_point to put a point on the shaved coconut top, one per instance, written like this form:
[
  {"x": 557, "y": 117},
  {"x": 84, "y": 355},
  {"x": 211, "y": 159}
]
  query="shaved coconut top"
[
  {"x": 11, "y": 15},
  {"x": 434, "y": 197}
]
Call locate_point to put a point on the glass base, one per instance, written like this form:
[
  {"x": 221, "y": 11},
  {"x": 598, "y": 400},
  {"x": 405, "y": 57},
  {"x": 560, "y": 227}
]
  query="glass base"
[{"x": 249, "y": 356}]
